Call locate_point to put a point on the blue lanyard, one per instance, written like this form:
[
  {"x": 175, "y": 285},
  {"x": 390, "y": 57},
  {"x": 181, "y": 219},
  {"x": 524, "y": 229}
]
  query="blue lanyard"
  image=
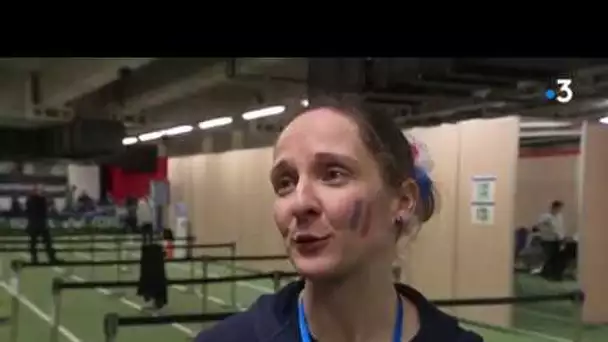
[{"x": 305, "y": 333}]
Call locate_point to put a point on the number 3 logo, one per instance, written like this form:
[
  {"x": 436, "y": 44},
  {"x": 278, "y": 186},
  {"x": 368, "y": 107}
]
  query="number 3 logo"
[{"x": 565, "y": 93}]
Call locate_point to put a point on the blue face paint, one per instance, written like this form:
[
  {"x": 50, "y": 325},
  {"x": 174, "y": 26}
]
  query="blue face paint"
[{"x": 424, "y": 182}]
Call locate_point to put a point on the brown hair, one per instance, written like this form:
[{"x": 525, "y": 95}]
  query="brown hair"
[{"x": 385, "y": 141}]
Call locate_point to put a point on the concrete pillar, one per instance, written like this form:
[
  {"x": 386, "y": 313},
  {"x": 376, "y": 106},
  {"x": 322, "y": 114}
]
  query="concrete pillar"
[
  {"x": 207, "y": 144},
  {"x": 237, "y": 139}
]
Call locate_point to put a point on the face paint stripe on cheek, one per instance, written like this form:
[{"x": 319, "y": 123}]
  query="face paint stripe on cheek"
[
  {"x": 367, "y": 220},
  {"x": 355, "y": 218}
]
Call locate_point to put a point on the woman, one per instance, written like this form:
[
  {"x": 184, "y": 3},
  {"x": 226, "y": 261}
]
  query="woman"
[{"x": 346, "y": 190}]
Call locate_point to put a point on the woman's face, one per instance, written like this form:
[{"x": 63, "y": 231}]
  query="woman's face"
[{"x": 331, "y": 205}]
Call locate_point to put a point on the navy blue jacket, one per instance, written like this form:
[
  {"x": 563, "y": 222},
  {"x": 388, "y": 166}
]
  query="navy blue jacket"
[{"x": 273, "y": 318}]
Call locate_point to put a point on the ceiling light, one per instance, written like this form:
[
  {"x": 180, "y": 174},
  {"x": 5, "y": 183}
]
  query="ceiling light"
[
  {"x": 304, "y": 103},
  {"x": 260, "y": 113},
  {"x": 178, "y": 130},
  {"x": 604, "y": 120},
  {"x": 129, "y": 141},
  {"x": 217, "y": 122},
  {"x": 545, "y": 124},
  {"x": 545, "y": 134},
  {"x": 151, "y": 135}
]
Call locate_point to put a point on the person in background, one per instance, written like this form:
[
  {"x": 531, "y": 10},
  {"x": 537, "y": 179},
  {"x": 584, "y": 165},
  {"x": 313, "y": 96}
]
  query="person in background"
[
  {"x": 566, "y": 257},
  {"x": 552, "y": 232},
  {"x": 105, "y": 200},
  {"x": 36, "y": 209},
  {"x": 85, "y": 203},
  {"x": 16, "y": 210},
  {"x": 145, "y": 218},
  {"x": 347, "y": 189},
  {"x": 69, "y": 198},
  {"x": 131, "y": 223}
]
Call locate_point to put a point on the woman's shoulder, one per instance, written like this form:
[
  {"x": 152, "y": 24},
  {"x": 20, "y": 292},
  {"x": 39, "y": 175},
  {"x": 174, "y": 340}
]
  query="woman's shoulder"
[
  {"x": 436, "y": 325},
  {"x": 238, "y": 327},
  {"x": 271, "y": 316}
]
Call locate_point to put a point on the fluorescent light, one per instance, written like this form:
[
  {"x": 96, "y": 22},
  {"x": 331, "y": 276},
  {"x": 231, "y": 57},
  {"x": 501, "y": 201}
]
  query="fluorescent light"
[
  {"x": 151, "y": 135},
  {"x": 604, "y": 120},
  {"x": 129, "y": 140},
  {"x": 545, "y": 134},
  {"x": 178, "y": 130},
  {"x": 260, "y": 113},
  {"x": 304, "y": 103},
  {"x": 544, "y": 124},
  {"x": 217, "y": 122}
]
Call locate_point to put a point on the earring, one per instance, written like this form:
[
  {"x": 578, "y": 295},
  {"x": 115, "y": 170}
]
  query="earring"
[{"x": 399, "y": 220}]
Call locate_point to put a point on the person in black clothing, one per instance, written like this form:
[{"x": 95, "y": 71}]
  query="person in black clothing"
[
  {"x": 37, "y": 226},
  {"x": 347, "y": 188}
]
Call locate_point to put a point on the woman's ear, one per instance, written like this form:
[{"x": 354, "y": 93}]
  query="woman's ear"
[{"x": 408, "y": 194}]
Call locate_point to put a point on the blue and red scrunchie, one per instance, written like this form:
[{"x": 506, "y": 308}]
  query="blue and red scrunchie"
[{"x": 424, "y": 182}]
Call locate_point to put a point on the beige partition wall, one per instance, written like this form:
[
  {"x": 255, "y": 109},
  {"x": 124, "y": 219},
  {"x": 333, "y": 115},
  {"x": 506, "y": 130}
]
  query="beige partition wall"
[
  {"x": 229, "y": 198},
  {"x": 593, "y": 192},
  {"x": 484, "y": 264},
  {"x": 453, "y": 255}
]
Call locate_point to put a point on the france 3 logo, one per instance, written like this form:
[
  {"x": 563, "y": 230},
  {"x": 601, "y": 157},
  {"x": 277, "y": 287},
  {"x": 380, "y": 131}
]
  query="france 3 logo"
[{"x": 564, "y": 92}]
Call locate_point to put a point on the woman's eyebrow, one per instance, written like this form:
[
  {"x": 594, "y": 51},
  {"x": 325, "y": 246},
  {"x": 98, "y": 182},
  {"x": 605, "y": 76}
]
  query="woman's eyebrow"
[
  {"x": 278, "y": 166},
  {"x": 332, "y": 156}
]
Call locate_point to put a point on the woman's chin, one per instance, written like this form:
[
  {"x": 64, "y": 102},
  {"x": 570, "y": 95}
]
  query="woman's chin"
[{"x": 315, "y": 267}]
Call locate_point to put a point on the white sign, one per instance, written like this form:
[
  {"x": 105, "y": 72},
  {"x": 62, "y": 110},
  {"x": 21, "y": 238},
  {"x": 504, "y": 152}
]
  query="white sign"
[
  {"x": 483, "y": 199},
  {"x": 484, "y": 189},
  {"x": 482, "y": 214}
]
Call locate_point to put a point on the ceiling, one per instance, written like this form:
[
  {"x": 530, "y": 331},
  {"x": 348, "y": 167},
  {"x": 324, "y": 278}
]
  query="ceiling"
[{"x": 157, "y": 93}]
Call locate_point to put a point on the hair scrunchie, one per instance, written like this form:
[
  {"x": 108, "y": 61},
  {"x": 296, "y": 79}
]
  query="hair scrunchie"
[{"x": 424, "y": 182}]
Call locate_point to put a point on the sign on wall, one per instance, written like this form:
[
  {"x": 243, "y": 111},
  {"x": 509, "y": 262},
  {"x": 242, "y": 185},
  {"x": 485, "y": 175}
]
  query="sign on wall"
[{"x": 483, "y": 199}]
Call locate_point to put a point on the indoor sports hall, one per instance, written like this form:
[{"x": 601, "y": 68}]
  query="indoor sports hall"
[{"x": 138, "y": 201}]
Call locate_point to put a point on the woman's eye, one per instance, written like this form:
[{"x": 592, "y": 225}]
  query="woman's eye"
[
  {"x": 283, "y": 185},
  {"x": 335, "y": 176}
]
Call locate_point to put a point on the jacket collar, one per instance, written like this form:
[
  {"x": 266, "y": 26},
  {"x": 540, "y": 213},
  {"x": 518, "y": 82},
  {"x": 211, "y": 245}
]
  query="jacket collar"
[{"x": 276, "y": 315}]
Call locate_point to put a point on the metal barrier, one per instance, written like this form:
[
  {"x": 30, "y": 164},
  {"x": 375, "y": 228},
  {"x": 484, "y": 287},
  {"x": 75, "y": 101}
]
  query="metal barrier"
[
  {"x": 112, "y": 321},
  {"x": 17, "y": 267},
  {"x": 207, "y": 260},
  {"x": 59, "y": 285}
]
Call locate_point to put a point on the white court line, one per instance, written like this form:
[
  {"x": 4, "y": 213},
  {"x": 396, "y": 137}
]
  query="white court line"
[
  {"x": 127, "y": 302},
  {"x": 63, "y": 330}
]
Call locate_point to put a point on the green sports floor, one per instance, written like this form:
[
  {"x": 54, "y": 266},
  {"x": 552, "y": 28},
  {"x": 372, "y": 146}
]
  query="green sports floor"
[{"x": 83, "y": 310}]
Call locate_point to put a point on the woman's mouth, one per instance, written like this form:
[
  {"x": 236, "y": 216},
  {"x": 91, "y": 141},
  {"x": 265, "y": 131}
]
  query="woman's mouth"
[{"x": 310, "y": 243}]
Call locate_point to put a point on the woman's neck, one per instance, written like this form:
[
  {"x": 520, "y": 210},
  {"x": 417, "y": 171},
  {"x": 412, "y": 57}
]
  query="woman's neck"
[{"x": 359, "y": 307}]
